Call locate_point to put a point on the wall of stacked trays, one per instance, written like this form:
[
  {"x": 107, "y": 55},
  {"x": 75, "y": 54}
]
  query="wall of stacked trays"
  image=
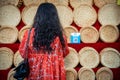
[{"x": 97, "y": 57}]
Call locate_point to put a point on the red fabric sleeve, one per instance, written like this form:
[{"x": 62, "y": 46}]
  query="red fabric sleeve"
[
  {"x": 66, "y": 49},
  {"x": 23, "y": 44}
]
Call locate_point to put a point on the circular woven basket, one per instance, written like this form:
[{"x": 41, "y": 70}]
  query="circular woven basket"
[
  {"x": 6, "y": 58},
  {"x": 89, "y": 57},
  {"x": 89, "y": 34},
  {"x": 110, "y": 57},
  {"x": 71, "y": 74},
  {"x": 65, "y": 15},
  {"x": 17, "y": 58},
  {"x": 86, "y": 74},
  {"x": 109, "y": 14},
  {"x": 11, "y": 74},
  {"x": 84, "y": 16},
  {"x": 9, "y": 16},
  {"x": 71, "y": 60},
  {"x": 56, "y": 2},
  {"x": 101, "y": 3},
  {"x": 6, "y": 2},
  {"x": 77, "y": 3},
  {"x": 104, "y": 73},
  {"x": 68, "y": 31},
  {"x": 31, "y": 2},
  {"x": 109, "y": 33},
  {"x": 8, "y": 35},
  {"x": 28, "y": 14},
  {"x": 22, "y": 31}
]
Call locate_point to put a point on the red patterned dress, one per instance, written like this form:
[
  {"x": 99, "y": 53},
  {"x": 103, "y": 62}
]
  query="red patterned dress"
[{"x": 45, "y": 66}]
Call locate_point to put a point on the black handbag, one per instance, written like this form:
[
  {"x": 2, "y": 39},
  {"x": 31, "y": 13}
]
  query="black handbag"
[{"x": 22, "y": 70}]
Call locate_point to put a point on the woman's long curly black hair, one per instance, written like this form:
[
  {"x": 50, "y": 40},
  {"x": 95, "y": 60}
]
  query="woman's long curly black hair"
[{"x": 47, "y": 27}]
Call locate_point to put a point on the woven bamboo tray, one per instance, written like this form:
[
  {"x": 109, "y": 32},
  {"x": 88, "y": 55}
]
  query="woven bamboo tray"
[
  {"x": 10, "y": 74},
  {"x": 89, "y": 34},
  {"x": 89, "y": 57},
  {"x": 109, "y": 33},
  {"x": 71, "y": 74},
  {"x": 84, "y": 16},
  {"x": 104, "y": 73},
  {"x": 109, "y": 14},
  {"x": 86, "y": 74},
  {"x": 9, "y": 16},
  {"x": 65, "y": 15},
  {"x": 71, "y": 60},
  {"x": 110, "y": 57},
  {"x": 6, "y": 58},
  {"x": 28, "y": 14},
  {"x": 77, "y": 3},
  {"x": 101, "y": 3},
  {"x": 8, "y": 35}
]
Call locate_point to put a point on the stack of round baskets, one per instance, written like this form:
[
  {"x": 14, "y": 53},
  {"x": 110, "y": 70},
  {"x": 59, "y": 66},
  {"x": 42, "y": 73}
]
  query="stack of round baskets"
[{"x": 10, "y": 17}]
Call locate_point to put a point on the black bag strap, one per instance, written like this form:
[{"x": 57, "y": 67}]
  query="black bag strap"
[{"x": 27, "y": 45}]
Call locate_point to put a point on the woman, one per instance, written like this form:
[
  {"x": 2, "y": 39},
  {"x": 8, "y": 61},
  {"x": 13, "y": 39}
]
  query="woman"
[{"x": 47, "y": 45}]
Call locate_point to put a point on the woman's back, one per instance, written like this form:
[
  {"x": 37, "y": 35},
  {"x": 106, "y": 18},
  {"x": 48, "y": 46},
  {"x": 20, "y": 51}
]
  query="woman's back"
[{"x": 44, "y": 66}]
